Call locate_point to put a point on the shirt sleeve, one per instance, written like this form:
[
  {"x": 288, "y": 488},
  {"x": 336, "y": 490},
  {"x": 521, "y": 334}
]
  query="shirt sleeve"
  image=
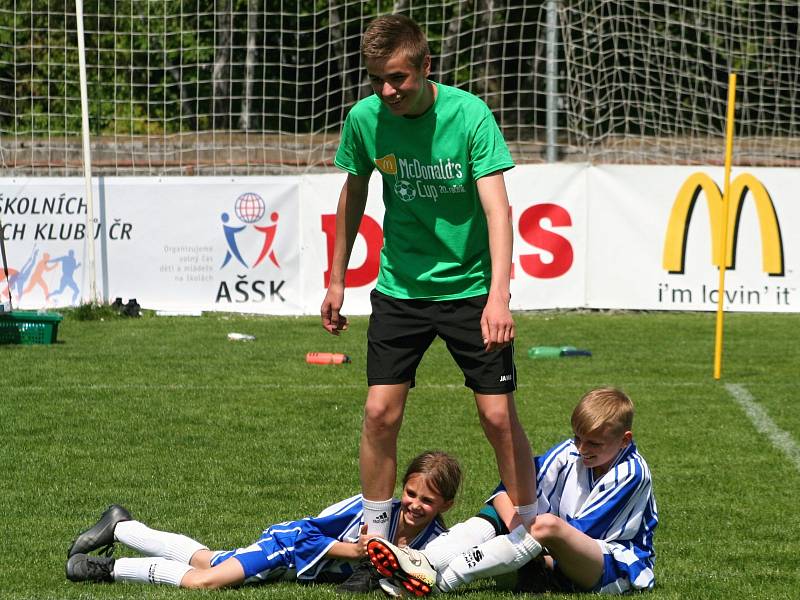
[
  {"x": 351, "y": 155},
  {"x": 488, "y": 150},
  {"x": 337, "y": 523}
]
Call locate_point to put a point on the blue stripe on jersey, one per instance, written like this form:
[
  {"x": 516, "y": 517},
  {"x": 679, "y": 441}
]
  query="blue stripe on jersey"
[
  {"x": 543, "y": 462},
  {"x": 342, "y": 522},
  {"x": 618, "y": 507}
]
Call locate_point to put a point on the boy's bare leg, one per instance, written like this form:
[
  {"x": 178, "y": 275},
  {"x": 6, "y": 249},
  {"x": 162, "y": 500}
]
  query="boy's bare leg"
[
  {"x": 226, "y": 574},
  {"x": 383, "y": 416},
  {"x": 512, "y": 450},
  {"x": 201, "y": 559},
  {"x": 579, "y": 556}
]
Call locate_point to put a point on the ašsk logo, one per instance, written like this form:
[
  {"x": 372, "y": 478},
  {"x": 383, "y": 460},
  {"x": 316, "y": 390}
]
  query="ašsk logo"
[
  {"x": 678, "y": 228},
  {"x": 387, "y": 164}
]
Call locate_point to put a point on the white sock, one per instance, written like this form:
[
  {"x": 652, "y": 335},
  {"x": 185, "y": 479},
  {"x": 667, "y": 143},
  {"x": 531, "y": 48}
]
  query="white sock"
[
  {"x": 151, "y": 542},
  {"x": 377, "y": 516},
  {"x": 527, "y": 512},
  {"x": 461, "y": 537},
  {"x": 502, "y": 554},
  {"x": 150, "y": 570}
]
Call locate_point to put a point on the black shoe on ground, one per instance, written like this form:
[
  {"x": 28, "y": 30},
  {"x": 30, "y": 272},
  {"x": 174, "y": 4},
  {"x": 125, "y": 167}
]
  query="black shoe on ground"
[
  {"x": 536, "y": 577},
  {"x": 101, "y": 534},
  {"x": 82, "y": 567},
  {"x": 364, "y": 579},
  {"x": 131, "y": 309}
]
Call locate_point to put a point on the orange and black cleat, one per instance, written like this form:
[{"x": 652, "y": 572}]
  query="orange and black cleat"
[{"x": 405, "y": 566}]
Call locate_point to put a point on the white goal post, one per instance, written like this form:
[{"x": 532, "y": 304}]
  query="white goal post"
[{"x": 253, "y": 87}]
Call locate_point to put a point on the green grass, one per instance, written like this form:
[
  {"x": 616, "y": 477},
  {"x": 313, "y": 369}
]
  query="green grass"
[{"x": 217, "y": 439}]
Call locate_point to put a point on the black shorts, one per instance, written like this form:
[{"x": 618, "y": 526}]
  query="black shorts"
[{"x": 400, "y": 331}]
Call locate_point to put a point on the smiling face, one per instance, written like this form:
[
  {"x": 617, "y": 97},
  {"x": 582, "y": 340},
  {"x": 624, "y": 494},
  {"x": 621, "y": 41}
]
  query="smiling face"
[
  {"x": 421, "y": 503},
  {"x": 402, "y": 87},
  {"x": 599, "y": 448}
]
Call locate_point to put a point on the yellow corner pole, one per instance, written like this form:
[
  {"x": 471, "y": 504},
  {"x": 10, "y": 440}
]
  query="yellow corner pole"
[{"x": 724, "y": 223}]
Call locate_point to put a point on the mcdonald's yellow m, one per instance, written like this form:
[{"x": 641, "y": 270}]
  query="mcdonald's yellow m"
[{"x": 678, "y": 228}]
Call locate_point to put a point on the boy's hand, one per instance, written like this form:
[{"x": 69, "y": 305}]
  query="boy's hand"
[
  {"x": 332, "y": 320},
  {"x": 363, "y": 538},
  {"x": 497, "y": 325}
]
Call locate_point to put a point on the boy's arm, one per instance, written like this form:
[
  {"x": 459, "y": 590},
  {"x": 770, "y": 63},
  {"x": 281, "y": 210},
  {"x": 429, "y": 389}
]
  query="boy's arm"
[
  {"x": 350, "y": 550},
  {"x": 349, "y": 213},
  {"x": 506, "y": 511},
  {"x": 497, "y": 324}
]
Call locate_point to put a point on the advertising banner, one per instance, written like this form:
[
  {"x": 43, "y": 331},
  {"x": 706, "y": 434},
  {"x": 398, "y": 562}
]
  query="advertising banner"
[
  {"x": 656, "y": 233},
  {"x": 44, "y": 226},
  {"x": 208, "y": 244},
  {"x": 608, "y": 237},
  {"x": 184, "y": 244}
]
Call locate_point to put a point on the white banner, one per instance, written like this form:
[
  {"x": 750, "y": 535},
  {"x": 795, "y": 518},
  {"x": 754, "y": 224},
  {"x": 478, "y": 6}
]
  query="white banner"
[
  {"x": 630, "y": 210},
  {"x": 627, "y": 237}
]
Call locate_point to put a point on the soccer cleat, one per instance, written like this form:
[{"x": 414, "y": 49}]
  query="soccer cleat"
[
  {"x": 364, "y": 579},
  {"x": 394, "y": 590},
  {"x": 405, "y": 566},
  {"x": 101, "y": 534},
  {"x": 82, "y": 567}
]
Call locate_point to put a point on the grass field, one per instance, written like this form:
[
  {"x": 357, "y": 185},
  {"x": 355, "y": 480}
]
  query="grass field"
[{"x": 217, "y": 439}]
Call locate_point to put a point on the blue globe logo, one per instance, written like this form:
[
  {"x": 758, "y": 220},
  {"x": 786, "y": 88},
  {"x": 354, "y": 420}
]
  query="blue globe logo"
[{"x": 249, "y": 207}]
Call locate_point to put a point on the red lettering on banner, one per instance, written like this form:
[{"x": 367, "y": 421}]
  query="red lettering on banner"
[
  {"x": 531, "y": 230},
  {"x": 372, "y": 233}
]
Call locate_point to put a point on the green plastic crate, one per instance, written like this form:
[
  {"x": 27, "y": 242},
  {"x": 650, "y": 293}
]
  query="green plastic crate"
[{"x": 28, "y": 327}]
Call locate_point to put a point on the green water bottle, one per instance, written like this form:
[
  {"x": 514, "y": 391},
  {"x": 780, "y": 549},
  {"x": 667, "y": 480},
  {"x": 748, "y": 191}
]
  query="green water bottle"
[{"x": 556, "y": 352}]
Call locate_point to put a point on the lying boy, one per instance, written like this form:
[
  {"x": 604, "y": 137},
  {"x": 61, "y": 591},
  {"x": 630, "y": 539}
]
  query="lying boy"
[
  {"x": 315, "y": 549},
  {"x": 593, "y": 532}
]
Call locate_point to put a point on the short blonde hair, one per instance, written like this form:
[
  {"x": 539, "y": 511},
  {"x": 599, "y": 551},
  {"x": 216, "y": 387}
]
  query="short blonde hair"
[
  {"x": 387, "y": 34},
  {"x": 603, "y": 407}
]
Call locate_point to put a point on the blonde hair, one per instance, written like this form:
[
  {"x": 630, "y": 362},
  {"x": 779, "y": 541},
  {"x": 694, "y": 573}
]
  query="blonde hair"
[
  {"x": 387, "y": 34},
  {"x": 439, "y": 469},
  {"x": 603, "y": 407}
]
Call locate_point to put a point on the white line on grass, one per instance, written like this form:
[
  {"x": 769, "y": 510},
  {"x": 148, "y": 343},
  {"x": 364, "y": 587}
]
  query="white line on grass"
[
  {"x": 758, "y": 416},
  {"x": 250, "y": 386}
]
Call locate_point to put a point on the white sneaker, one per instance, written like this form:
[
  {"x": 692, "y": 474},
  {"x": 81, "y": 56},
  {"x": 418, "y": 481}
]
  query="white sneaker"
[{"x": 404, "y": 566}]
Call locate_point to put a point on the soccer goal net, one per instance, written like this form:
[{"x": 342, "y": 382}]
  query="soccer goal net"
[{"x": 250, "y": 87}]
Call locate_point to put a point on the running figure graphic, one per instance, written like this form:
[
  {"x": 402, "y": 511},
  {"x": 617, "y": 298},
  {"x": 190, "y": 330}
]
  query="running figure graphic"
[{"x": 68, "y": 267}]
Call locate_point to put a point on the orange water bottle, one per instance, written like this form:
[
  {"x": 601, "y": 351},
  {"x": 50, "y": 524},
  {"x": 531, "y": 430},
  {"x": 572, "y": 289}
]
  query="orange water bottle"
[{"x": 327, "y": 358}]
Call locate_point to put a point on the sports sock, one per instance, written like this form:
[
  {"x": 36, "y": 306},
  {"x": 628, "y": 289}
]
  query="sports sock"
[
  {"x": 527, "y": 512},
  {"x": 377, "y": 516},
  {"x": 461, "y": 537},
  {"x": 502, "y": 554},
  {"x": 150, "y": 570},
  {"x": 152, "y": 542}
]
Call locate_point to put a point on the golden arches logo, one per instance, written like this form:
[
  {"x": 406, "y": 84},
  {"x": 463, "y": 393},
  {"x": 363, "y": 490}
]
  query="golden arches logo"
[
  {"x": 387, "y": 164},
  {"x": 701, "y": 183}
]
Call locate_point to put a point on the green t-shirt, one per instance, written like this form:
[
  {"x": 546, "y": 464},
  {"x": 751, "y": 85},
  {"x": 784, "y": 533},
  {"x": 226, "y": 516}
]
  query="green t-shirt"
[{"x": 436, "y": 242}]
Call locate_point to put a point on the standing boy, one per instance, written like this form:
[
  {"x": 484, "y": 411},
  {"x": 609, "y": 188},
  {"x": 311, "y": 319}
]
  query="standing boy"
[{"x": 446, "y": 260}]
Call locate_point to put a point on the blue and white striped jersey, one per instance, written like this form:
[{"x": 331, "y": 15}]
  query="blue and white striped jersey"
[
  {"x": 311, "y": 537},
  {"x": 618, "y": 508}
]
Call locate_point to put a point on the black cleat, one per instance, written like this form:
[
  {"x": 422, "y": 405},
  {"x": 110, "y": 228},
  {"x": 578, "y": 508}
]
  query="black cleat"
[
  {"x": 101, "y": 534},
  {"x": 364, "y": 579},
  {"x": 82, "y": 567},
  {"x": 535, "y": 577}
]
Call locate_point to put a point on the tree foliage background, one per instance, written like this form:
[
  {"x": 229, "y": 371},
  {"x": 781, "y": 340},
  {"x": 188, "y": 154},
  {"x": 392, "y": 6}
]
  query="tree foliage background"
[{"x": 624, "y": 67}]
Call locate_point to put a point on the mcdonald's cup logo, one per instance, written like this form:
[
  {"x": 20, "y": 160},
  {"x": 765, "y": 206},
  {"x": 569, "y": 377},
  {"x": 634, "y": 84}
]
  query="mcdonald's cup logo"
[
  {"x": 701, "y": 184},
  {"x": 387, "y": 164}
]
